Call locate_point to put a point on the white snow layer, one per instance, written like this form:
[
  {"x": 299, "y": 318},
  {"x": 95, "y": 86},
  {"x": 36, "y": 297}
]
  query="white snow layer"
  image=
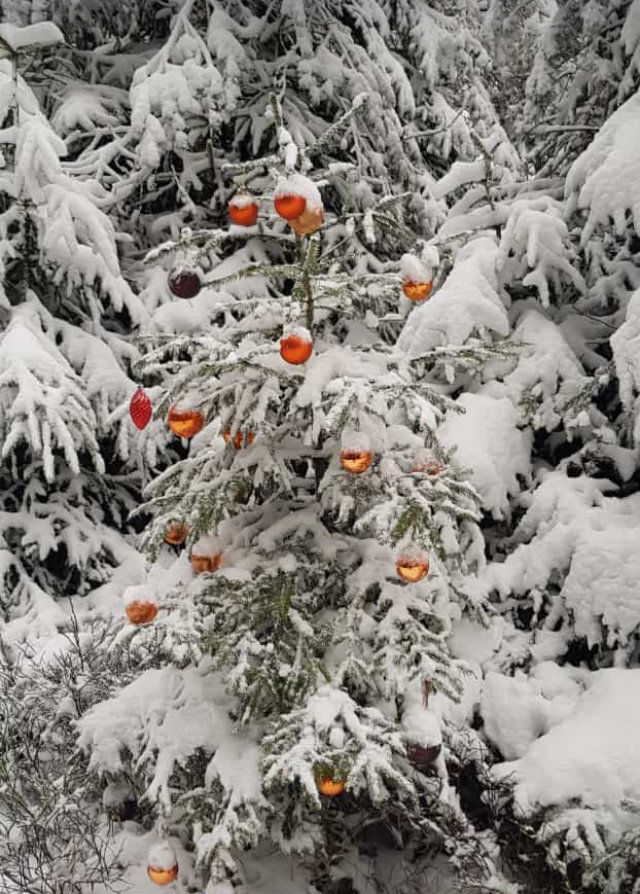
[
  {"x": 41, "y": 34},
  {"x": 590, "y": 750},
  {"x": 490, "y": 446},
  {"x": 162, "y": 856},
  {"x": 143, "y": 718},
  {"x": 573, "y": 530},
  {"x": 468, "y": 302},
  {"x": 605, "y": 179}
]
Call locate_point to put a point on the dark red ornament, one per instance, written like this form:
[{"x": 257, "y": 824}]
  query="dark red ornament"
[
  {"x": 422, "y": 756},
  {"x": 140, "y": 409},
  {"x": 184, "y": 282}
]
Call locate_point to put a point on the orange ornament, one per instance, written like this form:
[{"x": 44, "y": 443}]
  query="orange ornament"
[
  {"x": 412, "y": 569},
  {"x": 203, "y": 564},
  {"x": 309, "y": 221},
  {"x": 416, "y": 291},
  {"x": 140, "y": 613},
  {"x": 176, "y": 534},
  {"x": 185, "y": 423},
  {"x": 355, "y": 461},
  {"x": 329, "y": 786},
  {"x": 295, "y": 349},
  {"x": 237, "y": 439},
  {"x": 245, "y": 215},
  {"x": 162, "y": 877},
  {"x": 290, "y": 206},
  {"x": 434, "y": 467}
]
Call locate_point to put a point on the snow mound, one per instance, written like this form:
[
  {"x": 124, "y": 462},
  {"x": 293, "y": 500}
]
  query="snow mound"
[
  {"x": 518, "y": 710},
  {"x": 489, "y": 443},
  {"x": 590, "y": 756},
  {"x": 605, "y": 179}
]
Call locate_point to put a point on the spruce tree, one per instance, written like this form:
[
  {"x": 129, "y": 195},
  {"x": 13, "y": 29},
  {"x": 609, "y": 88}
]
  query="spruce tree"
[
  {"x": 64, "y": 355},
  {"x": 316, "y": 498}
]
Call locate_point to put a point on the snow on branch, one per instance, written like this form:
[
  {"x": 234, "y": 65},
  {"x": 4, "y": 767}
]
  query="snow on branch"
[
  {"x": 626, "y": 354},
  {"x": 43, "y": 401},
  {"x": 468, "y": 302},
  {"x": 605, "y": 180},
  {"x": 31, "y": 37}
]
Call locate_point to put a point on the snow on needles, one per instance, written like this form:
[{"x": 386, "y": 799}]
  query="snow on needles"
[
  {"x": 143, "y": 718},
  {"x": 605, "y": 179}
]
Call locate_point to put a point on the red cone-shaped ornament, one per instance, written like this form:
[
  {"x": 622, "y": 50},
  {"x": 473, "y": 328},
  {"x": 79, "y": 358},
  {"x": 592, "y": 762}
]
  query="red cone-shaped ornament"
[{"x": 140, "y": 409}]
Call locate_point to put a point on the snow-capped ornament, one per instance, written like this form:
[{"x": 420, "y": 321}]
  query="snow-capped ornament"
[
  {"x": 422, "y": 756},
  {"x": 417, "y": 277},
  {"x": 412, "y": 566},
  {"x": 162, "y": 866},
  {"x": 243, "y": 210},
  {"x": 238, "y": 438},
  {"x": 426, "y": 463},
  {"x": 119, "y": 802},
  {"x": 185, "y": 423},
  {"x": 140, "y": 409},
  {"x": 309, "y": 221},
  {"x": 289, "y": 206},
  {"x": 202, "y": 564},
  {"x": 176, "y": 533},
  {"x": 139, "y": 605},
  {"x": 330, "y": 786},
  {"x": 294, "y": 195},
  {"x": 184, "y": 282},
  {"x": 296, "y": 345},
  {"x": 416, "y": 291},
  {"x": 206, "y": 554},
  {"x": 355, "y": 455}
]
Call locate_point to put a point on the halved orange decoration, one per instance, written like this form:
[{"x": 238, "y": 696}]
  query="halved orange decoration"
[
  {"x": 185, "y": 423},
  {"x": 249, "y": 438},
  {"x": 329, "y": 786},
  {"x": 162, "y": 877},
  {"x": 296, "y": 347},
  {"x": 243, "y": 211},
  {"x": 289, "y": 206},
  {"x": 140, "y": 613},
  {"x": 412, "y": 568},
  {"x": 309, "y": 221},
  {"x": 176, "y": 534},
  {"x": 202, "y": 564},
  {"x": 416, "y": 291}
]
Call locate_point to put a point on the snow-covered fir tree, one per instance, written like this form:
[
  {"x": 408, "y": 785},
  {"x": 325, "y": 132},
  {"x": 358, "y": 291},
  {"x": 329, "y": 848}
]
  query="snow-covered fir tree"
[
  {"x": 476, "y": 728},
  {"x": 63, "y": 358},
  {"x": 315, "y": 654}
]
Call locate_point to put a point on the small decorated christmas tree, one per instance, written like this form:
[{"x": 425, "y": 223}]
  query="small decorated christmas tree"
[{"x": 325, "y": 540}]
